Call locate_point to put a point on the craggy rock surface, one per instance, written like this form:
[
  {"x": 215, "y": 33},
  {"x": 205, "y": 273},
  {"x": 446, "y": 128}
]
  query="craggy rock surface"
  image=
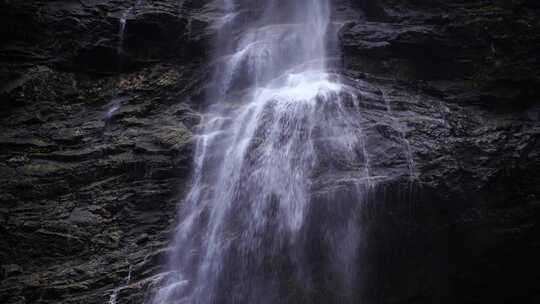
[
  {"x": 463, "y": 82},
  {"x": 452, "y": 47},
  {"x": 91, "y": 173},
  {"x": 97, "y": 135},
  {"x": 96, "y": 142}
]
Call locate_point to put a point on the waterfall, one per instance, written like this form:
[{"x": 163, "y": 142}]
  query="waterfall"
[{"x": 280, "y": 169}]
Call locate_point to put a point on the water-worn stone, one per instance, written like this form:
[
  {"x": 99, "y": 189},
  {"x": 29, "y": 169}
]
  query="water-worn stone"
[{"x": 92, "y": 166}]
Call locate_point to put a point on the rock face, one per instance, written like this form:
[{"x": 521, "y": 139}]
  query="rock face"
[
  {"x": 95, "y": 142},
  {"x": 461, "y": 79},
  {"x": 100, "y": 99}
]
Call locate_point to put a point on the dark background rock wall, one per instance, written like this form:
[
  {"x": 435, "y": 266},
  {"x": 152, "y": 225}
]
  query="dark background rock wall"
[
  {"x": 95, "y": 144},
  {"x": 465, "y": 78}
]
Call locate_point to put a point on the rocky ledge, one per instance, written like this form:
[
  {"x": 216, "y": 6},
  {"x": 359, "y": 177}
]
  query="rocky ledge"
[{"x": 96, "y": 140}]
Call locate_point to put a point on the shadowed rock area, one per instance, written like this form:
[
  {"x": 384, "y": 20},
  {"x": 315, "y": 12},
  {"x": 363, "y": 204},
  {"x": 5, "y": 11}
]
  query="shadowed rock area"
[{"x": 100, "y": 100}]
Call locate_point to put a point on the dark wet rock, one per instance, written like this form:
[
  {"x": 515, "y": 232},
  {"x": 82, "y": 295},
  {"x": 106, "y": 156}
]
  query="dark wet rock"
[
  {"x": 459, "y": 80},
  {"x": 92, "y": 166},
  {"x": 485, "y": 48},
  {"x": 10, "y": 270},
  {"x": 88, "y": 35}
]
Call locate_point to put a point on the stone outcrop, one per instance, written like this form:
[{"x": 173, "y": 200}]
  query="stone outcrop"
[
  {"x": 96, "y": 139},
  {"x": 462, "y": 79},
  {"x": 96, "y": 142},
  {"x": 452, "y": 47}
]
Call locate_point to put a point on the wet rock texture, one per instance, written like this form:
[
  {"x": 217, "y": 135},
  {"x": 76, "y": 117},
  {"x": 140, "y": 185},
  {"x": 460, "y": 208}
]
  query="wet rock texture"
[
  {"x": 96, "y": 143},
  {"x": 462, "y": 80},
  {"x": 96, "y": 140}
]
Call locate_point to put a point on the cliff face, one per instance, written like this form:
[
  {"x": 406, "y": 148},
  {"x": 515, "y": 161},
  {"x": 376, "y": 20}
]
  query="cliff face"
[
  {"x": 96, "y": 142},
  {"x": 100, "y": 98},
  {"x": 463, "y": 81}
]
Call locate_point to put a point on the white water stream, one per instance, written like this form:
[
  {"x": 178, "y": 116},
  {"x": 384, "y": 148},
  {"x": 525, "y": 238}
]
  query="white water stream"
[{"x": 280, "y": 168}]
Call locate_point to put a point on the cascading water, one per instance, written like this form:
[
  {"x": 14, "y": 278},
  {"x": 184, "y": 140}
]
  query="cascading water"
[{"x": 280, "y": 168}]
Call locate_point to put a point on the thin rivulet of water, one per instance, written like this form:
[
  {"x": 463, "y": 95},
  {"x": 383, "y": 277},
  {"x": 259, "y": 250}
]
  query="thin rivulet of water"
[
  {"x": 280, "y": 167},
  {"x": 122, "y": 27},
  {"x": 114, "y": 294}
]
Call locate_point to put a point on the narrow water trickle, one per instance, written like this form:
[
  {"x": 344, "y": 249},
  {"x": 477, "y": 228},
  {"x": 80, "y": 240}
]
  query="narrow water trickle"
[
  {"x": 281, "y": 168},
  {"x": 122, "y": 26},
  {"x": 114, "y": 294},
  {"x": 397, "y": 126}
]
